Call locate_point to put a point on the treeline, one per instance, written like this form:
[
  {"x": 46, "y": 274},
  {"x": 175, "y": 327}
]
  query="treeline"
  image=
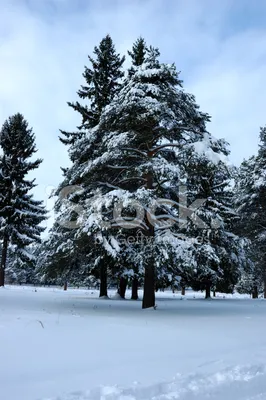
[{"x": 150, "y": 199}]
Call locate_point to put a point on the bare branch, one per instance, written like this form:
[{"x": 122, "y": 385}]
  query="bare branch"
[
  {"x": 131, "y": 223},
  {"x": 157, "y": 149},
  {"x": 135, "y": 151},
  {"x": 118, "y": 167},
  {"x": 134, "y": 178},
  {"x": 109, "y": 185},
  {"x": 158, "y": 137}
]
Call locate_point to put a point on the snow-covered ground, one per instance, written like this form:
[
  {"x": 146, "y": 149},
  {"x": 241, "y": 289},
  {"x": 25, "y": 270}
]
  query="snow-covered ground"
[{"x": 73, "y": 346}]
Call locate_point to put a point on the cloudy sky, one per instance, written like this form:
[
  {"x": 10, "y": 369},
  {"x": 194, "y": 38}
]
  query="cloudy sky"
[{"x": 219, "y": 47}]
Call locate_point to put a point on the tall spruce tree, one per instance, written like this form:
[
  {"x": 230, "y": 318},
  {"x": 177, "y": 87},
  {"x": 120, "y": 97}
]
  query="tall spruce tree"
[
  {"x": 20, "y": 214},
  {"x": 136, "y": 160},
  {"x": 102, "y": 83}
]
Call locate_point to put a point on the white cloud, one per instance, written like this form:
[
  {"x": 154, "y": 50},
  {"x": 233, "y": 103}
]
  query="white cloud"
[{"x": 44, "y": 47}]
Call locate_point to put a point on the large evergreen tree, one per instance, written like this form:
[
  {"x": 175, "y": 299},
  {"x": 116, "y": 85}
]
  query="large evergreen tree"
[
  {"x": 20, "y": 214},
  {"x": 137, "y": 160},
  {"x": 126, "y": 176},
  {"x": 102, "y": 83}
]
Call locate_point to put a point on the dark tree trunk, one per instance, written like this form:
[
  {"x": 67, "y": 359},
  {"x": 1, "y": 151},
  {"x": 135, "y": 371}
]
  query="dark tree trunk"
[
  {"x": 122, "y": 287},
  {"x": 183, "y": 291},
  {"x": 65, "y": 286},
  {"x": 149, "y": 276},
  {"x": 255, "y": 293},
  {"x": 214, "y": 293},
  {"x": 3, "y": 261},
  {"x": 103, "y": 280},
  {"x": 208, "y": 291},
  {"x": 134, "y": 294},
  {"x": 2, "y": 276},
  {"x": 149, "y": 293},
  {"x": 149, "y": 283}
]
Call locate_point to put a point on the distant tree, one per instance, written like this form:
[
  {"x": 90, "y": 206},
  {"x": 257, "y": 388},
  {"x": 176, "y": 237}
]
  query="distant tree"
[
  {"x": 21, "y": 272},
  {"x": 251, "y": 202},
  {"x": 219, "y": 252},
  {"x": 20, "y": 214}
]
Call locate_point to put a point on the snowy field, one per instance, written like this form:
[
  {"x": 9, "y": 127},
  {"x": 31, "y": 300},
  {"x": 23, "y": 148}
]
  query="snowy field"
[{"x": 71, "y": 345}]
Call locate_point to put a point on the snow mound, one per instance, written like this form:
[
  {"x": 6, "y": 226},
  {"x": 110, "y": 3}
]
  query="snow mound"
[
  {"x": 117, "y": 297},
  {"x": 235, "y": 383}
]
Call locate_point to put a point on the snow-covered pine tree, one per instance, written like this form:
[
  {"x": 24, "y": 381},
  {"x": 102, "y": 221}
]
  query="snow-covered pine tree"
[
  {"x": 251, "y": 203},
  {"x": 136, "y": 161},
  {"x": 20, "y": 272},
  {"x": 219, "y": 253},
  {"x": 61, "y": 263},
  {"x": 252, "y": 276},
  {"x": 20, "y": 214},
  {"x": 102, "y": 83}
]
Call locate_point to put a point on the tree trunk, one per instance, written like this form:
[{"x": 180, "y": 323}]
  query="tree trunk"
[
  {"x": 255, "y": 293},
  {"x": 149, "y": 276},
  {"x": 122, "y": 287},
  {"x": 3, "y": 261},
  {"x": 2, "y": 276},
  {"x": 214, "y": 293},
  {"x": 208, "y": 291},
  {"x": 134, "y": 293},
  {"x": 149, "y": 293},
  {"x": 65, "y": 286},
  {"x": 183, "y": 291},
  {"x": 103, "y": 280}
]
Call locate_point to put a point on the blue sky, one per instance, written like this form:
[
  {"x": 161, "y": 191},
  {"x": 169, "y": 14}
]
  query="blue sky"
[{"x": 219, "y": 47}]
